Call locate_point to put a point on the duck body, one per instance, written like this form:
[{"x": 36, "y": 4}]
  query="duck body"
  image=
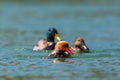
[
  {"x": 59, "y": 55},
  {"x": 79, "y": 46},
  {"x": 48, "y": 43},
  {"x": 43, "y": 44},
  {"x": 61, "y": 50}
]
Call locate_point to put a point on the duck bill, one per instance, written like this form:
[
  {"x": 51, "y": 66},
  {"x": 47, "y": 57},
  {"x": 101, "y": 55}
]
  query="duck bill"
[
  {"x": 57, "y": 37},
  {"x": 68, "y": 51},
  {"x": 85, "y": 48}
]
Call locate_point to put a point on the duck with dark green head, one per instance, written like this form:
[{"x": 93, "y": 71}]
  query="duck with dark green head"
[{"x": 49, "y": 42}]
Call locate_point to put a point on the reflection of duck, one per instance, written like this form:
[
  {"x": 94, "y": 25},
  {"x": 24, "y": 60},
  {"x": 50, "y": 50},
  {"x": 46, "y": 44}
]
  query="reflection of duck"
[
  {"x": 48, "y": 44},
  {"x": 79, "y": 46},
  {"x": 61, "y": 50},
  {"x": 58, "y": 60}
]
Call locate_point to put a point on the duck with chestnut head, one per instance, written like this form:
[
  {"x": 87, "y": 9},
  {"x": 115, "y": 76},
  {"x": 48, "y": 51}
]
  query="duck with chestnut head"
[{"x": 61, "y": 50}]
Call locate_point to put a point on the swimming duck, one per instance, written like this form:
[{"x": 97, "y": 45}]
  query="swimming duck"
[
  {"x": 61, "y": 50},
  {"x": 79, "y": 46},
  {"x": 48, "y": 43}
]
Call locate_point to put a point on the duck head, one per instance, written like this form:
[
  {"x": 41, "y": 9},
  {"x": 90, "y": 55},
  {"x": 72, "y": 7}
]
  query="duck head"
[
  {"x": 62, "y": 47},
  {"x": 79, "y": 43},
  {"x": 52, "y": 34}
]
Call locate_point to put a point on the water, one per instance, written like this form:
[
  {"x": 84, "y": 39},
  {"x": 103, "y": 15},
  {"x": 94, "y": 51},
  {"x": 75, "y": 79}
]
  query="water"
[{"x": 23, "y": 24}]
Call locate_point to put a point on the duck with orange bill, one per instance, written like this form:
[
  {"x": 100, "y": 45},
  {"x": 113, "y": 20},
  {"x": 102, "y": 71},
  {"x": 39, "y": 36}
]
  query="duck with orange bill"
[
  {"x": 79, "y": 46},
  {"x": 49, "y": 42},
  {"x": 61, "y": 50}
]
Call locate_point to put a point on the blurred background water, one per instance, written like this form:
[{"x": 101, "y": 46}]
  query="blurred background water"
[{"x": 23, "y": 23}]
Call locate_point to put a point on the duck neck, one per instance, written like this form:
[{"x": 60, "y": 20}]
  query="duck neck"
[
  {"x": 50, "y": 39},
  {"x": 76, "y": 46}
]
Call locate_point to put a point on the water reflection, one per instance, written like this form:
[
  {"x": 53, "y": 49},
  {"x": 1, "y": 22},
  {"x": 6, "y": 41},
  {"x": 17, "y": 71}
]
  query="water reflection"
[{"x": 58, "y": 60}]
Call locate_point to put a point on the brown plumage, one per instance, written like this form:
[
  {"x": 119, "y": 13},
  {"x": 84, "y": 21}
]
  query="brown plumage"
[{"x": 79, "y": 46}]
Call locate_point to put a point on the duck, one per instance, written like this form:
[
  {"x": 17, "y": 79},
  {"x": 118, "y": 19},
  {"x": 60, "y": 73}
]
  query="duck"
[
  {"x": 61, "y": 50},
  {"x": 49, "y": 42},
  {"x": 79, "y": 46}
]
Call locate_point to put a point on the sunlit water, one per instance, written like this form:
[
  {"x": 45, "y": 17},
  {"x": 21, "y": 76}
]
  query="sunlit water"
[{"x": 22, "y": 25}]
